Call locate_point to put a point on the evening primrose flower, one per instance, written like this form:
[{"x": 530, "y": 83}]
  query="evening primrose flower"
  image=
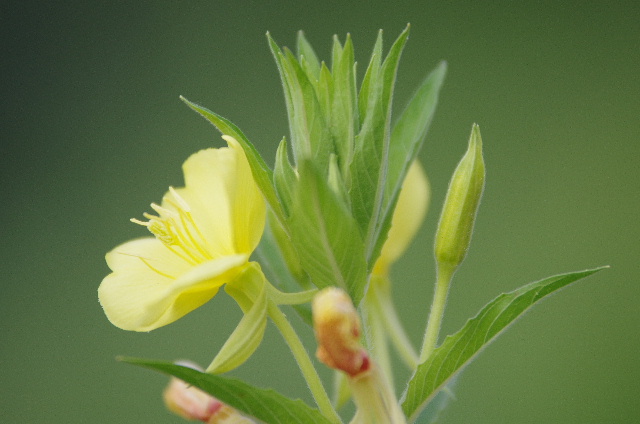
[
  {"x": 204, "y": 235},
  {"x": 411, "y": 208}
]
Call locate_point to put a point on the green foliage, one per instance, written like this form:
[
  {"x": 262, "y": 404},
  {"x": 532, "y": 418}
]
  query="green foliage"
[
  {"x": 326, "y": 236},
  {"x": 370, "y": 158},
  {"x": 462, "y": 347},
  {"x": 331, "y": 208},
  {"x": 343, "y": 140},
  {"x": 263, "y": 404}
]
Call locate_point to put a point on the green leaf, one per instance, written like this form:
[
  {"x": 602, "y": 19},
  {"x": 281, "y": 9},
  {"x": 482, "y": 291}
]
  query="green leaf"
[
  {"x": 246, "y": 338},
  {"x": 407, "y": 138},
  {"x": 326, "y": 236},
  {"x": 459, "y": 349},
  {"x": 344, "y": 112},
  {"x": 310, "y": 136},
  {"x": 263, "y": 404},
  {"x": 369, "y": 76},
  {"x": 305, "y": 50},
  {"x": 411, "y": 128},
  {"x": 370, "y": 160},
  {"x": 285, "y": 179},
  {"x": 324, "y": 90},
  {"x": 260, "y": 170}
]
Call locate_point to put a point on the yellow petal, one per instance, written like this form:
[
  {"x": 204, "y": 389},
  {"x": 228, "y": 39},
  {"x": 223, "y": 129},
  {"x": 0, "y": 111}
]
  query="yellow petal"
[
  {"x": 248, "y": 204},
  {"x": 151, "y": 286},
  {"x": 407, "y": 217},
  {"x": 225, "y": 202}
]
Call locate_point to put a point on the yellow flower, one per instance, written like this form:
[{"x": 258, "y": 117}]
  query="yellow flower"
[
  {"x": 407, "y": 218},
  {"x": 204, "y": 235}
]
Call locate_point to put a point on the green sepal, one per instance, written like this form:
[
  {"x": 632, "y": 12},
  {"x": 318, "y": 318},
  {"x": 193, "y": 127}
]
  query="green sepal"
[
  {"x": 262, "y": 174},
  {"x": 326, "y": 235},
  {"x": 247, "y": 336},
  {"x": 266, "y": 405},
  {"x": 453, "y": 234},
  {"x": 461, "y": 348}
]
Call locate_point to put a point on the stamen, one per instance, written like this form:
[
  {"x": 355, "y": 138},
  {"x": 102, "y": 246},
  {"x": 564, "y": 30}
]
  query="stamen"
[
  {"x": 181, "y": 202},
  {"x": 174, "y": 226},
  {"x": 162, "y": 211},
  {"x": 161, "y": 230}
]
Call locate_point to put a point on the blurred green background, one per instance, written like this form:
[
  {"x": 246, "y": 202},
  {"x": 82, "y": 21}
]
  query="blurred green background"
[{"x": 93, "y": 131}]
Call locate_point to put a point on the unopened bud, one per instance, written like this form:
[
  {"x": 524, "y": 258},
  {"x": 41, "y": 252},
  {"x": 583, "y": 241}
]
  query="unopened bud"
[
  {"x": 408, "y": 216},
  {"x": 192, "y": 403},
  {"x": 461, "y": 204},
  {"x": 337, "y": 329}
]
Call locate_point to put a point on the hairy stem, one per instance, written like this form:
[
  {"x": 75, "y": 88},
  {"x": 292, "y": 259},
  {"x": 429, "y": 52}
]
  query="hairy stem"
[
  {"x": 304, "y": 362},
  {"x": 445, "y": 274}
]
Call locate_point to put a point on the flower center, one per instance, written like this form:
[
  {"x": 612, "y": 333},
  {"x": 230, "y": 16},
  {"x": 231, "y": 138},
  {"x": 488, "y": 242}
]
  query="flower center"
[{"x": 176, "y": 228}]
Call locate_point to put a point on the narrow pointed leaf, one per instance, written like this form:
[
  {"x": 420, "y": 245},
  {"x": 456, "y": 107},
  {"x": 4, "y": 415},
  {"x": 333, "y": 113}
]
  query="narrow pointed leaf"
[
  {"x": 264, "y": 404},
  {"x": 305, "y": 50},
  {"x": 407, "y": 138},
  {"x": 285, "y": 179},
  {"x": 310, "y": 137},
  {"x": 310, "y": 130},
  {"x": 325, "y": 90},
  {"x": 326, "y": 236},
  {"x": 280, "y": 63},
  {"x": 370, "y": 75},
  {"x": 459, "y": 349},
  {"x": 411, "y": 128},
  {"x": 262, "y": 174},
  {"x": 370, "y": 160},
  {"x": 344, "y": 107},
  {"x": 336, "y": 52}
]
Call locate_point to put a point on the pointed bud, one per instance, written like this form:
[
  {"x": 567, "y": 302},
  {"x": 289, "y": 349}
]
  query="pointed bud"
[
  {"x": 460, "y": 206},
  {"x": 337, "y": 329},
  {"x": 408, "y": 216}
]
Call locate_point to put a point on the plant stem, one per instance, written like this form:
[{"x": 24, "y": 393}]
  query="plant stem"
[
  {"x": 304, "y": 362},
  {"x": 445, "y": 274},
  {"x": 380, "y": 297},
  {"x": 378, "y": 345}
]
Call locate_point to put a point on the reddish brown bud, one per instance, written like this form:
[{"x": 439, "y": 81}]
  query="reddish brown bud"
[{"x": 337, "y": 329}]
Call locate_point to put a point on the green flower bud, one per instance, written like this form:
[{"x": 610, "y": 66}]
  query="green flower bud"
[{"x": 460, "y": 206}]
